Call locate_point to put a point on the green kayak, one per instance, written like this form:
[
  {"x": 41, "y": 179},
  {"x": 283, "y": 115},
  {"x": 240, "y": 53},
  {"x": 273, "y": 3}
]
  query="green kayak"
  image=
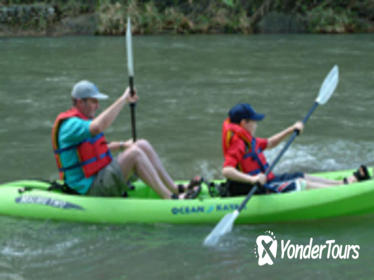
[{"x": 32, "y": 199}]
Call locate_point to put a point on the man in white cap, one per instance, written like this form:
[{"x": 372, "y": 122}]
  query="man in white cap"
[{"x": 84, "y": 157}]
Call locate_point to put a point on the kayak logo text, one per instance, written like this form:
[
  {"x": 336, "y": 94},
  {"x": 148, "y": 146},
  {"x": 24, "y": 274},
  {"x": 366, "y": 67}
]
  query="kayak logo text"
[
  {"x": 188, "y": 210},
  {"x": 56, "y": 203},
  {"x": 267, "y": 246}
]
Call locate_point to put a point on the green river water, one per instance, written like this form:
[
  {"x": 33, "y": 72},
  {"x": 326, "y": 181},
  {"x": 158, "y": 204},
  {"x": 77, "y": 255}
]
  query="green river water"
[{"x": 186, "y": 86}]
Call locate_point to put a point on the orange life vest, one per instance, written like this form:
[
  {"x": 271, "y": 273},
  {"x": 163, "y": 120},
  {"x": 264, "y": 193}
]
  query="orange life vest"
[
  {"x": 254, "y": 160},
  {"x": 93, "y": 153}
]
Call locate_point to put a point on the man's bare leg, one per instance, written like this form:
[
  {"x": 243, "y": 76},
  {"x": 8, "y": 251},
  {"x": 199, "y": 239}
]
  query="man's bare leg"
[
  {"x": 153, "y": 157},
  {"x": 134, "y": 159}
]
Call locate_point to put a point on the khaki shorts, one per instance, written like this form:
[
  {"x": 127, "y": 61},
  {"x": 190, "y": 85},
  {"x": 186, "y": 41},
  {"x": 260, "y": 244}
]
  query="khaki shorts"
[{"x": 109, "y": 181}]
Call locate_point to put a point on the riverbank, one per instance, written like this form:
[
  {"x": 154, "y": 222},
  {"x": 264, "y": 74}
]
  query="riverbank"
[{"x": 105, "y": 17}]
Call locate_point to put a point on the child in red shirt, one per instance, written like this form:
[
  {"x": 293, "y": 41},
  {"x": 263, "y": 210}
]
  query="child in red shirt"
[{"x": 245, "y": 163}]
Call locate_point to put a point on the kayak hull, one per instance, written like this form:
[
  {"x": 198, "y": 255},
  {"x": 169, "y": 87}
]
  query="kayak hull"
[{"x": 31, "y": 199}]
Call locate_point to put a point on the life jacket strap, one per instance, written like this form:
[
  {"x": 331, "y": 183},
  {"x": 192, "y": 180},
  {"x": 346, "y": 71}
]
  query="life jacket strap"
[
  {"x": 91, "y": 140},
  {"x": 91, "y": 160},
  {"x": 253, "y": 153}
]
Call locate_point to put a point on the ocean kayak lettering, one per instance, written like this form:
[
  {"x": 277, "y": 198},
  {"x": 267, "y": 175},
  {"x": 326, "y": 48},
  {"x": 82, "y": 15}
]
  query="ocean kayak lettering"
[
  {"x": 185, "y": 210},
  {"x": 56, "y": 203}
]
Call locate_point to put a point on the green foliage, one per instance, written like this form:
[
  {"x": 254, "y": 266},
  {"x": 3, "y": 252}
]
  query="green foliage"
[
  {"x": 229, "y": 3},
  {"x": 186, "y": 17},
  {"x": 329, "y": 21},
  {"x": 112, "y": 21},
  {"x": 195, "y": 16}
]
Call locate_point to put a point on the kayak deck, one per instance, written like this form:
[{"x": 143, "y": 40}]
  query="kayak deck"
[{"x": 30, "y": 199}]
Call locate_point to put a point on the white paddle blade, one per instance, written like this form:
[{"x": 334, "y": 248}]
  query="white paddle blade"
[
  {"x": 328, "y": 86},
  {"x": 130, "y": 60},
  {"x": 223, "y": 227}
]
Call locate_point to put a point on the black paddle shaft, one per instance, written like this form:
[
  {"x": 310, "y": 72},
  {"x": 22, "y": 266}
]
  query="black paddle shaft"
[
  {"x": 132, "y": 108},
  {"x": 271, "y": 167}
]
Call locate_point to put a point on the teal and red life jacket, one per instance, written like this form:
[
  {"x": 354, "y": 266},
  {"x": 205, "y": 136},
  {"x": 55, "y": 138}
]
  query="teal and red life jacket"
[
  {"x": 254, "y": 160},
  {"x": 93, "y": 153}
]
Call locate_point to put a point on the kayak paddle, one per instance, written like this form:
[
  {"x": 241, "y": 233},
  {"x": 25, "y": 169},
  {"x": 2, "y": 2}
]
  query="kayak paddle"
[
  {"x": 130, "y": 66},
  {"x": 227, "y": 222}
]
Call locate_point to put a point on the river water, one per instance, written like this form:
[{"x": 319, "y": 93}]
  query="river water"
[{"x": 186, "y": 86}]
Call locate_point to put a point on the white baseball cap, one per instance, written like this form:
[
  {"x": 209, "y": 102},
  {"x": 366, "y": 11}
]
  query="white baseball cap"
[{"x": 86, "y": 89}]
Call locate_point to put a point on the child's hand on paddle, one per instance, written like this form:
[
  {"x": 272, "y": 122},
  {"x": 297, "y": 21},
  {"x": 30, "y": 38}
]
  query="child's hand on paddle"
[
  {"x": 261, "y": 179},
  {"x": 298, "y": 126}
]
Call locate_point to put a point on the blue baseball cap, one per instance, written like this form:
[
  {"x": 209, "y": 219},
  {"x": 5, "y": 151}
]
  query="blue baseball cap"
[
  {"x": 87, "y": 89},
  {"x": 244, "y": 111}
]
